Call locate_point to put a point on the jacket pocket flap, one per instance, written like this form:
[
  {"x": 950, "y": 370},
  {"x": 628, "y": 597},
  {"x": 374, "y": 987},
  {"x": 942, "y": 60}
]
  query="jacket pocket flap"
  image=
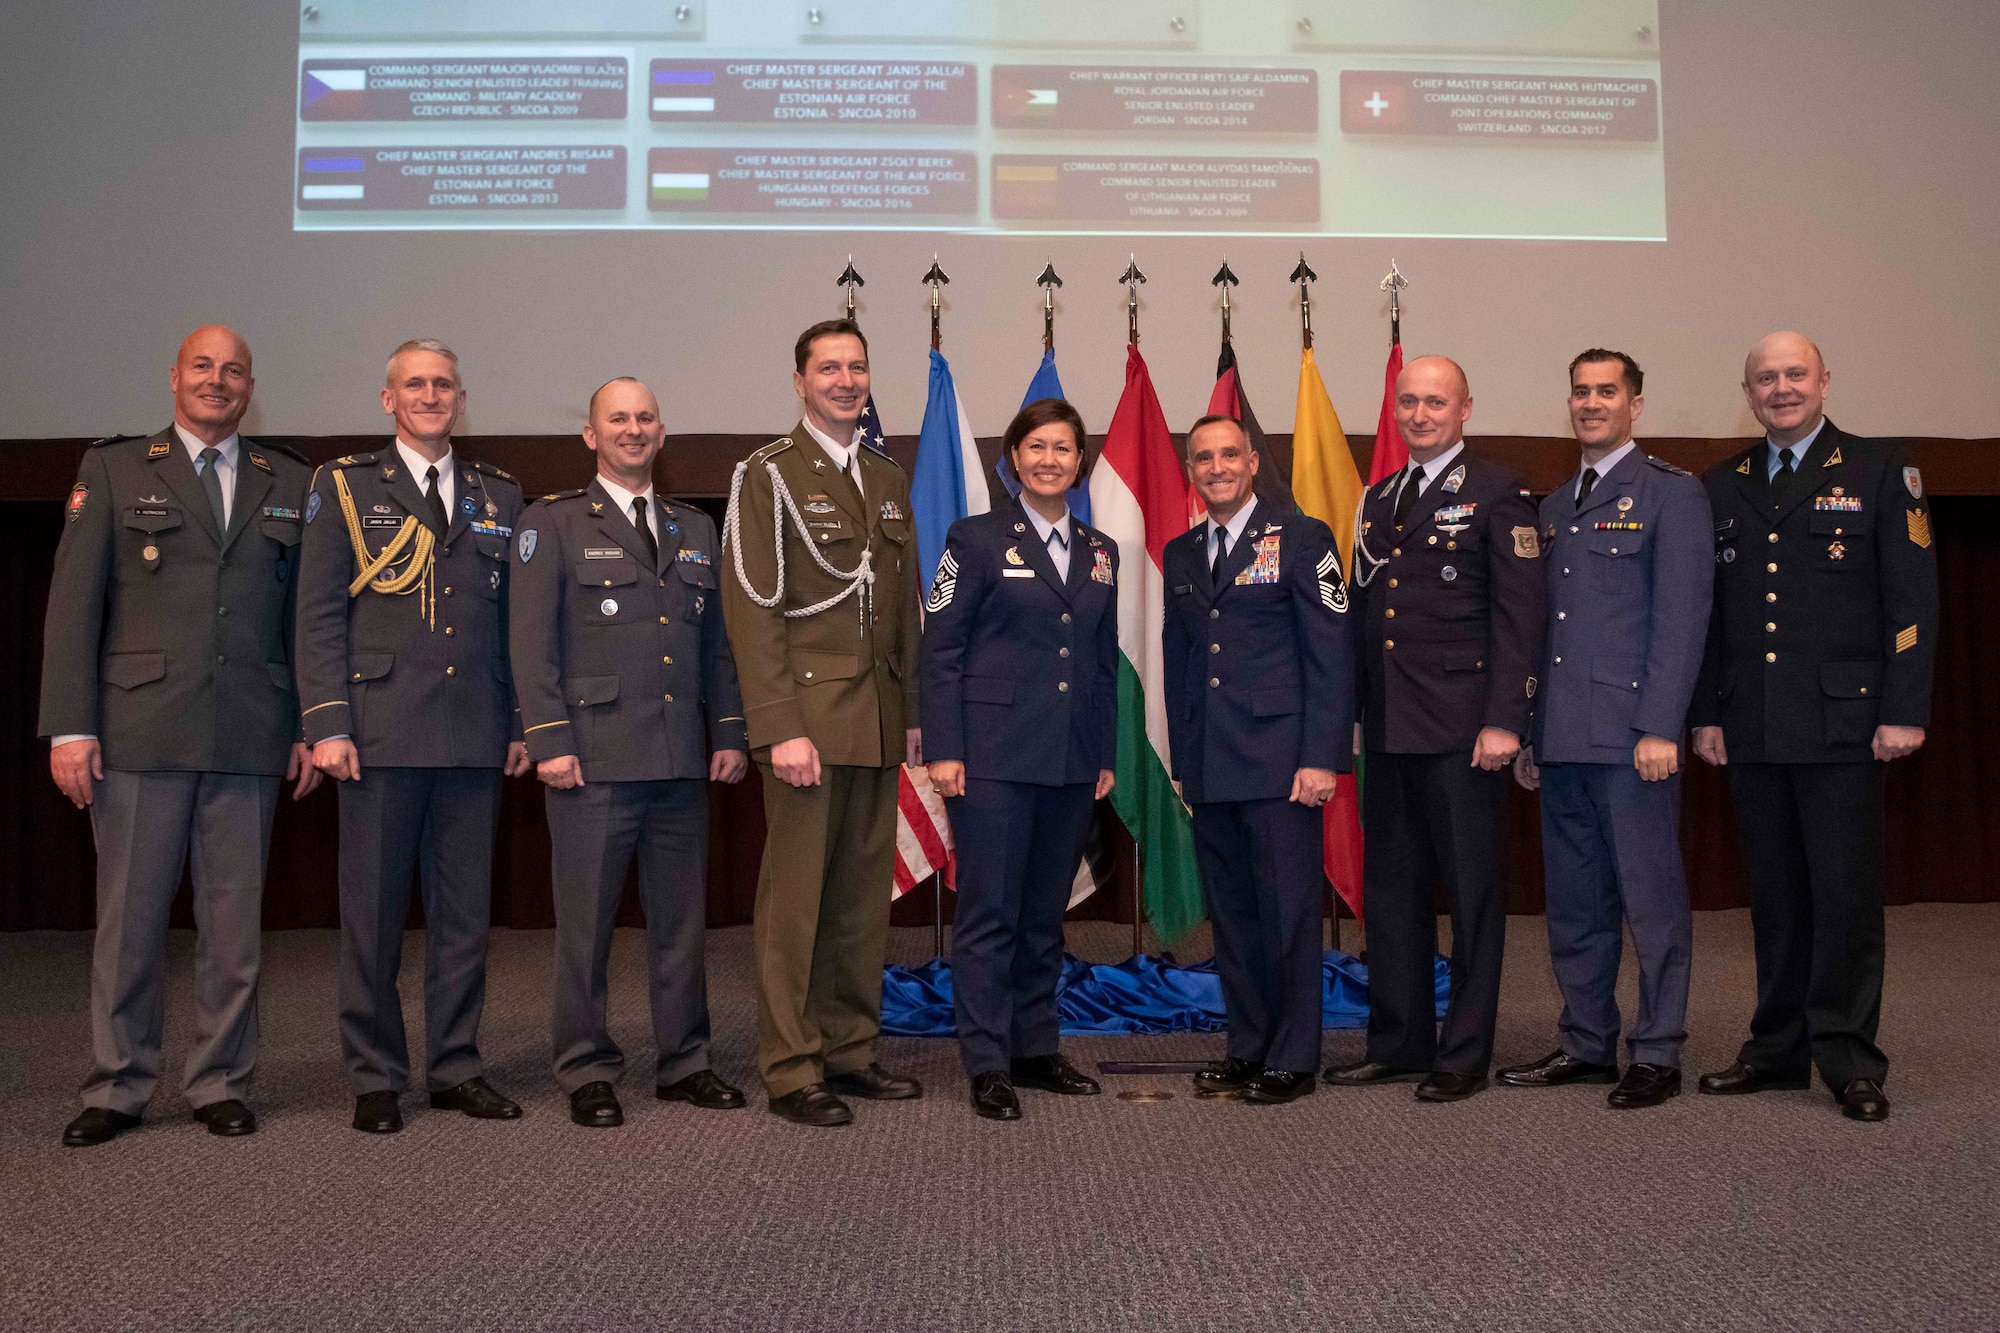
[
  {"x": 812, "y": 665},
  {"x": 369, "y": 666},
  {"x": 1469, "y": 656},
  {"x": 607, "y": 573},
  {"x": 1851, "y": 680},
  {"x": 1274, "y": 703},
  {"x": 280, "y": 530},
  {"x": 130, "y": 670},
  {"x": 281, "y": 675},
  {"x": 694, "y": 575},
  {"x": 1623, "y": 672},
  {"x": 587, "y": 690},
  {"x": 1837, "y": 525},
  {"x": 1618, "y": 544},
  {"x": 989, "y": 690}
]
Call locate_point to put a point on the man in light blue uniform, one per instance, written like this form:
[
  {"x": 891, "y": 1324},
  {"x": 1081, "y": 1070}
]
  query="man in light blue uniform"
[{"x": 1630, "y": 576}]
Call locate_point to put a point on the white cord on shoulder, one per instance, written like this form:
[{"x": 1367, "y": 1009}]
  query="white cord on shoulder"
[
  {"x": 1365, "y": 563},
  {"x": 860, "y": 579}
]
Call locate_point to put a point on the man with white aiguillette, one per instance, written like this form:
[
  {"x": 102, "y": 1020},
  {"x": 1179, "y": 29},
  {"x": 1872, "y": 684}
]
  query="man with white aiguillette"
[
  {"x": 408, "y": 702},
  {"x": 622, "y": 664},
  {"x": 1820, "y": 653},
  {"x": 826, "y": 648},
  {"x": 1260, "y": 675},
  {"x": 1625, "y": 553},
  {"x": 168, "y": 702}
]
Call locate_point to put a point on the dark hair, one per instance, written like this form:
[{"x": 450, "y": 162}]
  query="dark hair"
[
  {"x": 1216, "y": 418},
  {"x": 1046, "y": 412},
  {"x": 1635, "y": 378},
  {"x": 826, "y": 328}
]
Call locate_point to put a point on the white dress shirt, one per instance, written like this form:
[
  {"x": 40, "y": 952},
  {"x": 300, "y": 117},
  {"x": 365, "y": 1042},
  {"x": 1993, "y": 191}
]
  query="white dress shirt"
[
  {"x": 1601, "y": 466},
  {"x": 1058, "y": 549},
  {"x": 447, "y": 472},
  {"x": 225, "y": 467},
  {"x": 624, "y": 499},
  {"x": 1773, "y": 449},
  {"x": 1234, "y": 528},
  {"x": 844, "y": 456}
]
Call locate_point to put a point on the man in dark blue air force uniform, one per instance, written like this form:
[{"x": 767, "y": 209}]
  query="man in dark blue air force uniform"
[
  {"x": 1260, "y": 674},
  {"x": 1626, "y": 552}
]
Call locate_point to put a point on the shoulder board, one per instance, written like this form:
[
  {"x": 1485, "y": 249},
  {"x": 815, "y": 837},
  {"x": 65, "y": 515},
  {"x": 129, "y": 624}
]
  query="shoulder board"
[
  {"x": 881, "y": 453},
  {"x": 490, "y": 470},
  {"x": 268, "y": 448},
  {"x": 1664, "y": 466},
  {"x": 560, "y": 495},
  {"x": 112, "y": 439},
  {"x": 354, "y": 460},
  {"x": 777, "y": 446}
]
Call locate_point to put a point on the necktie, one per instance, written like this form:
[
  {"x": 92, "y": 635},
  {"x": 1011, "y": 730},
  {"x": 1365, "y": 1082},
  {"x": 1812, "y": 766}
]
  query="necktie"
[
  {"x": 1221, "y": 549},
  {"x": 211, "y": 482},
  {"x": 435, "y": 495},
  {"x": 646, "y": 538},
  {"x": 1790, "y": 461},
  {"x": 1059, "y": 552},
  {"x": 1589, "y": 481},
  {"x": 1406, "y": 499},
  {"x": 853, "y": 474}
]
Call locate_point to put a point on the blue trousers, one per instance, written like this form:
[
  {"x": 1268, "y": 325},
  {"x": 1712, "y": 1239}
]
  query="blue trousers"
[
  {"x": 1018, "y": 846},
  {"x": 1611, "y": 854},
  {"x": 1261, "y": 873}
]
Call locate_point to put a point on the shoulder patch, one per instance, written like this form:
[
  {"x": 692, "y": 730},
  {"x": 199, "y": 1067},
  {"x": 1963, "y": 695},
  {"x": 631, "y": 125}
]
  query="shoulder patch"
[{"x": 1664, "y": 466}]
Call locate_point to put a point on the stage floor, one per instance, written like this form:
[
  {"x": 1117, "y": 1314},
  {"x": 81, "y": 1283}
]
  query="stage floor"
[{"x": 1352, "y": 1209}]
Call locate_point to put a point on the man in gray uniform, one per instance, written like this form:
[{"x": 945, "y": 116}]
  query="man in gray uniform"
[
  {"x": 408, "y": 701},
  {"x": 167, "y": 697},
  {"x": 1629, "y": 578},
  {"x": 620, "y": 657}
]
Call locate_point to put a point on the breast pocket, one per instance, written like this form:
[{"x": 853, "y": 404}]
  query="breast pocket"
[
  {"x": 1838, "y": 544},
  {"x": 283, "y": 533},
  {"x": 699, "y": 583},
  {"x": 1615, "y": 560}
]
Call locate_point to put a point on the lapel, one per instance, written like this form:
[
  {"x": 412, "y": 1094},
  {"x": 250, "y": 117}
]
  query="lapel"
[
  {"x": 1751, "y": 485},
  {"x": 826, "y": 477},
  {"x": 1241, "y": 553},
  {"x": 1082, "y": 558},
  {"x": 616, "y": 524},
  {"x": 177, "y": 470},
  {"x": 403, "y": 488},
  {"x": 1611, "y": 483},
  {"x": 1790, "y": 492},
  {"x": 1037, "y": 552},
  {"x": 252, "y": 485},
  {"x": 470, "y": 487}
]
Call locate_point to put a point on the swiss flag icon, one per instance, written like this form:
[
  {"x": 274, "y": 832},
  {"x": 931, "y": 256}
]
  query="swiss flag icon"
[{"x": 1374, "y": 103}]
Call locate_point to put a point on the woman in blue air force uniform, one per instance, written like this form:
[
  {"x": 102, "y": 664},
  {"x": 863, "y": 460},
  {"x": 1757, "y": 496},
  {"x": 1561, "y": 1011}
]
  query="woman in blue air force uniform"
[{"x": 1020, "y": 716}]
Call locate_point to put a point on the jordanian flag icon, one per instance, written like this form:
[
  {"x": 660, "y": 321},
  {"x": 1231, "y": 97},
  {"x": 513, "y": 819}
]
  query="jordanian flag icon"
[
  {"x": 321, "y": 83},
  {"x": 683, "y": 91}
]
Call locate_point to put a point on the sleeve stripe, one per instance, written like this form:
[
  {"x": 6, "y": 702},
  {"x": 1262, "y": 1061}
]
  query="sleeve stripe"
[
  {"x": 544, "y": 726},
  {"x": 337, "y": 703}
]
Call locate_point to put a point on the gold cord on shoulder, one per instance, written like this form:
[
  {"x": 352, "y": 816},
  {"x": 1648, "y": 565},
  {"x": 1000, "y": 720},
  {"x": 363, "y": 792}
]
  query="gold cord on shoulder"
[{"x": 379, "y": 573}]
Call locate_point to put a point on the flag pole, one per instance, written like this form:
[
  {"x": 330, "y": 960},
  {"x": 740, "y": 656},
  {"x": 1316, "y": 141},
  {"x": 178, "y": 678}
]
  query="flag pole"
[
  {"x": 1394, "y": 284},
  {"x": 1131, "y": 278},
  {"x": 849, "y": 279},
  {"x": 935, "y": 278},
  {"x": 1303, "y": 275},
  {"x": 1224, "y": 279},
  {"x": 1048, "y": 282}
]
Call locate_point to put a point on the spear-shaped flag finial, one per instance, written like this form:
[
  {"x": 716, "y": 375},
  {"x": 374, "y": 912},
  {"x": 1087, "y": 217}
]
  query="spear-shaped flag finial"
[
  {"x": 1224, "y": 279},
  {"x": 849, "y": 279},
  {"x": 1132, "y": 277},
  {"x": 935, "y": 279},
  {"x": 1304, "y": 276},
  {"x": 1048, "y": 282},
  {"x": 1394, "y": 284}
]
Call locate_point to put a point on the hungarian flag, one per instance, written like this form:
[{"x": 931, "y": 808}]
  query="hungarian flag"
[
  {"x": 1139, "y": 495},
  {"x": 1328, "y": 487}
]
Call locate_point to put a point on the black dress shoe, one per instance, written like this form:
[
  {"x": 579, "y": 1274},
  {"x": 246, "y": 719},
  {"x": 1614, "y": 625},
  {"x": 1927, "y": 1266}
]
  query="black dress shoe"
[
  {"x": 704, "y": 1089},
  {"x": 1274, "y": 1087},
  {"x": 1554, "y": 1070},
  {"x": 227, "y": 1119},
  {"x": 1225, "y": 1078},
  {"x": 812, "y": 1105},
  {"x": 1053, "y": 1073},
  {"x": 1370, "y": 1071},
  {"x": 595, "y": 1106},
  {"x": 1444, "y": 1086},
  {"x": 875, "y": 1084},
  {"x": 1863, "y": 1099},
  {"x": 477, "y": 1099},
  {"x": 97, "y": 1125},
  {"x": 993, "y": 1096},
  {"x": 1741, "y": 1078},
  {"x": 378, "y": 1113},
  {"x": 1645, "y": 1085}
]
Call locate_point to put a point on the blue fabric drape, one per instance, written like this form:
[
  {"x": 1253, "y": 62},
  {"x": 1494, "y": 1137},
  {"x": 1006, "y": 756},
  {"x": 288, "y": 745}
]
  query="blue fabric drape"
[{"x": 1139, "y": 995}]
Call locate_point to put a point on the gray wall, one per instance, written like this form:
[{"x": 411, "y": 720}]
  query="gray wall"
[{"x": 1830, "y": 165}]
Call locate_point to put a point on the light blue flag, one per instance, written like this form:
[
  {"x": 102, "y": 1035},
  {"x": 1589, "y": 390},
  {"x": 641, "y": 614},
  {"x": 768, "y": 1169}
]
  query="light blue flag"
[
  {"x": 948, "y": 482},
  {"x": 1045, "y": 384}
]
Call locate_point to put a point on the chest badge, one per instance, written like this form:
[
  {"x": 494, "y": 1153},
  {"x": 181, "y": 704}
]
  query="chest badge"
[
  {"x": 609, "y": 606},
  {"x": 492, "y": 510},
  {"x": 1624, "y": 503},
  {"x": 1449, "y": 573},
  {"x": 1014, "y": 556},
  {"x": 1836, "y": 551},
  {"x": 819, "y": 505}
]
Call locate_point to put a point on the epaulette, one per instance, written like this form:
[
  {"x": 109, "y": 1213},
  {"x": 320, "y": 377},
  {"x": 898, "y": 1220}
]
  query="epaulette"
[
  {"x": 1664, "y": 466},
  {"x": 777, "y": 446},
  {"x": 879, "y": 451},
  {"x": 354, "y": 460},
  {"x": 270, "y": 448},
  {"x": 112, "y": 439},
  {"x": 490, "y": 470},
  {"x": 559, "y": 495}
]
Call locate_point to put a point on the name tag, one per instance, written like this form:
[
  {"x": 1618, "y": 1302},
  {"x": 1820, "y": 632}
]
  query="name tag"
[
  {"x": 603, "y": 553},
  {"x": 1017, "y": 573},
  {"x": 150, "y": 513},
  {"x": 381, "y": 522},
  {"x": 1182, "y": 589}
]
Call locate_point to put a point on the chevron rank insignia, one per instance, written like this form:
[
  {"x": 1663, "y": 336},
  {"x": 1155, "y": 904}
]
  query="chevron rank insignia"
[
  {"x": 1906, "y": 639},
  {"x": 1332, "y": 590},
  {"x": 944, "y": 585},
  {"x": 1920, "y": 526}
]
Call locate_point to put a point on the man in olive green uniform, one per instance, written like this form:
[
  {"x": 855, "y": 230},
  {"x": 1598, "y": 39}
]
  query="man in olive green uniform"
[
  {"x": 826, "y": 651},
  {"x": 168, "y": 703}
]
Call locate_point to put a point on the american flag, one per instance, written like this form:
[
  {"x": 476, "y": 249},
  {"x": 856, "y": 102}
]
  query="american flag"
[{"x": 923, "y": 834}]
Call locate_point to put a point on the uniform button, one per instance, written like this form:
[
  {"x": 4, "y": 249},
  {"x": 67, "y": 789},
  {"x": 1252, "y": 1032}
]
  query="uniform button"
[
  {"x": 1770, "y": 597},
  {"x": 447, "y": 592},
  {"x": 663, "y": 620},
  {"x": 1770, "y": 657},
  {"x": 607, "y": 583},
  {"x": 1480, "y": 665},
  {"x": 1215, "y": 647},
  {"x": 449, "y": 631},
  {"x": 1214, "y": 682},
  {"x": 222, "y": 610},
  {"x": 357, "y": 675},
  {"x": 1559, "y": 661},
  {"x": 1562, "y": 615},
  {"x": 1864, "y": 689},
  {"x": 1390, "y": 614},
  {"x": 1434, "y": 541},
  {"x": 1451, "y": 545},
  {"x": 1772, "y": 538},
  {"x": 809, "y": 675},
  {"x": 1388, "y": 643},
  {"x": 1614, "y": 550},
  {"x": 451, "y": 671},
  {"x": 1065, "y": 617},
  {"x": 1397, "y": 551},
  {"x": 1572, "y": 527},
  {"x": 219, "y": 659},
  {"x": 1770, "y": 627},
  {"x": 1062, "y": 652},
  {"x": 670, "y": 698},
  {"x": 1771, "y": 568},
  {"x": 823, "y": 536},
  {"x": 668, "y": 660},
  {"x": 1213, "y": 613},
  {"x": 445, "y": 551},
  {"x": 1565, "y": 572},
  {"x": 663, "y": 583},
  {"x": 1392, "y": 583},
  {"x": 1062, "y": 687}
]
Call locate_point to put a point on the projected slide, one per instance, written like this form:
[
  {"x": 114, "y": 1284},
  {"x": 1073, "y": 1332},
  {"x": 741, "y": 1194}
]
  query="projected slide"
[{"x": 1500, "y": 118}]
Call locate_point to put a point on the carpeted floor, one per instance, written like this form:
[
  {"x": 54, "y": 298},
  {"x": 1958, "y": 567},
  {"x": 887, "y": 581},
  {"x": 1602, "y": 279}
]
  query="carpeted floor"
[{"x": 1352, "y": 1209}]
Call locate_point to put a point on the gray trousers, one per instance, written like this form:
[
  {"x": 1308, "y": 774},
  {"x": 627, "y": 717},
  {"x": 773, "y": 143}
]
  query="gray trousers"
[
  {"x": 395, "y": 822},
  {"x": 147, "y": 825},
  {"x": 594, "y": 832},
  {"x": 1611, "y": 854}
]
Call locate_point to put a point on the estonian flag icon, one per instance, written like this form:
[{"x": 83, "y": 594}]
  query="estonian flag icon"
[
  {"x": 324, "y": 190},
  {"x": 676, "y": 102},
  {"x": 320, "y": 83}
]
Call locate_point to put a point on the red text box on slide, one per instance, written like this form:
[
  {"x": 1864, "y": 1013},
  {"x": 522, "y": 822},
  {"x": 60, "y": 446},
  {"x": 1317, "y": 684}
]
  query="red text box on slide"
[{"x": 1565, "y": 108}]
